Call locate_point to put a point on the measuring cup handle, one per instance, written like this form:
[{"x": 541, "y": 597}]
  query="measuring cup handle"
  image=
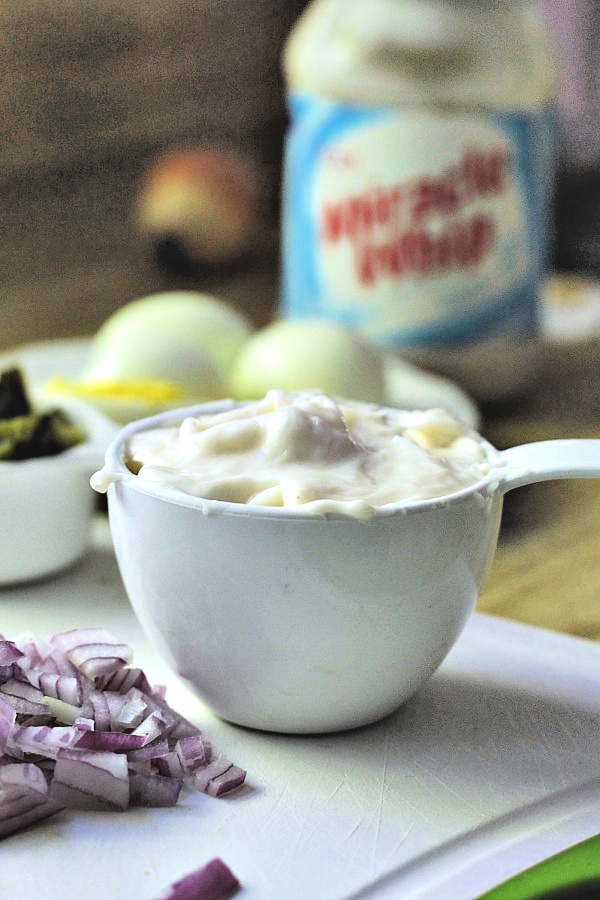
[{"x": 547, "y": 460}]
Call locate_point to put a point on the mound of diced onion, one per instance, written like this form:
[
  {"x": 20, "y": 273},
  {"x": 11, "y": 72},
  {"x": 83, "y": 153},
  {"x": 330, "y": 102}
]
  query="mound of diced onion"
[{"x": 81, "y": 727}]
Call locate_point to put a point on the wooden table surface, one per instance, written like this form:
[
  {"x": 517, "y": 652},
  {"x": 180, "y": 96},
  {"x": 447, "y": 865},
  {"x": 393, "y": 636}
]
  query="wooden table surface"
[{"x": 547, "y": 568}]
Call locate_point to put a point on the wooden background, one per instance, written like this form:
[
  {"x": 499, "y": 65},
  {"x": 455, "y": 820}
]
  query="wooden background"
[{"x": 89, "y": 92}]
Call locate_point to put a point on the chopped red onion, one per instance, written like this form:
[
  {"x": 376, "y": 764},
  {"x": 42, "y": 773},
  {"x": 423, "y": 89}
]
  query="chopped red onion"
[
  {"x": 219, "y": 777},
  {"x": 151, "y": 751},
  {"x": 42, "y": 740},
  {"x": 170, "y": 765},
  {"x": 9, "y": 653},
  {"x": 143, "y": 766},
  {"x": 61, "y": 711},
  {"x": 26, "y": 707},
  {"x": 35, "y": 650},
  {"x": 91, "y": 780},
  {"x": 132, "y": 710},
  {"x": 25, "y": 698},
  {"x": 100, "y": 711},
  {"x": 85, "y": 729},
  {"x": 152, "y": 789},
  {"x": 193, "y": 752},
  {"x": 115, "y": 703},
  {"x": 180, "y": 727},
  {"x": 153, "y": 726},
  {"x": 214, "y": 881},
  {"x": 93, "y": 660},
  {"x": 125, "y": 678},
  {"x": 8, "y": 716},
  {"x": 23, "y": 775},
  {"x": 84, "y": 724},
  {"x": 62, "y": 687},
  {"x": 24, "y": 798},
  {"x": 117, "y": 741},
  {"x": 22, "y": 689},
  {"x": 93, "y": 651}
]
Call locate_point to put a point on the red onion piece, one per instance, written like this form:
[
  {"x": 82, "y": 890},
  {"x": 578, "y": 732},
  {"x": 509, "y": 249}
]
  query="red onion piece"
[
  {"x": 117, "y": 741},
  {"x": 219, "y": 777},
  {"x": 8, "y": 716},
  {"x": 143, "y": 766},
  {"x": 84, "y": 724},
  {"x": 214, "y": 881},
  {"x": 94, "y": 651},
  {"x": 153, "y": 726},
  {"x": 24, "y": 797},
  {"x": 62, "y": 687},
  {"x": 63, "y": 713},
  {"x": 95, "y": 661},
  {"x": 132, "y": 711},
  {"x": 26, "y": 707},
  {"x": 91, "y": 780},
  {"x": 153, "y": 789},
  {"x": 193, "y": 752},
  {"x": 42, "y": 740},
  {"x": 125, "y": 678},
  {"x": 9, "y": 653},
  {"x": 170, "y": 765},
  {"x": 25, "y": 698},
  {"x": 150, "y": 751},
  {"x": 22, "y": 689},
  {"x": 35, "y": 650},
  {"x": 100, "y": 711},
  {"x": 115, "y": 703}
]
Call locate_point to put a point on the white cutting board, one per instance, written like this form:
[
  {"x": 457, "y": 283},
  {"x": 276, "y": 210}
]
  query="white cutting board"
[{"x": 494, "y": 765}]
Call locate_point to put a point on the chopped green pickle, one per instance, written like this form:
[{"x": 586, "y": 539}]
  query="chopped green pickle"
[
  {"x": 13, "y": 396},
  {"x": 25, "y": 433}
]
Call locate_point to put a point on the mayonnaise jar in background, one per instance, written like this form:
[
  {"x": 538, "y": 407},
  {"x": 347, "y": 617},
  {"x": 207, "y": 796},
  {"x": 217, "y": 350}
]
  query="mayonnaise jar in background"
[{"x": 418, "y": 172}]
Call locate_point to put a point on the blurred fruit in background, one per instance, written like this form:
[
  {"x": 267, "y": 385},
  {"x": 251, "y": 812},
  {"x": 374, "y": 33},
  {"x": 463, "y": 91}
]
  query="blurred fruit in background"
[{"x": 199, "y": 206}]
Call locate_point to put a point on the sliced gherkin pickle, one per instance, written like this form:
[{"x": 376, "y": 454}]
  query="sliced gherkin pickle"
[{"x": 25, "y": 433}]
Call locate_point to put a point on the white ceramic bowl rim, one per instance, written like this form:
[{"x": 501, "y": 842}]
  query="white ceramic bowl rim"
[{"x": 115, "y": 463}]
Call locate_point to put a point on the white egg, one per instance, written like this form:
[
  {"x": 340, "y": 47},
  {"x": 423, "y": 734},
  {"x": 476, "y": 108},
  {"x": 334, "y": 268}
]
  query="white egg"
[
  {"x": 171, "y": 359},
  {"x": 300, "y": 355},
  {"x": 151, "y": 327},
  {"x": 410, "y": 387}
]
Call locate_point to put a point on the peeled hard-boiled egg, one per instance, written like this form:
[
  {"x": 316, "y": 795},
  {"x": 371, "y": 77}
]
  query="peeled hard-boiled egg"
[
  {"x": 169, "y": 359},
  {"x": 161, "y": 351},
  {"x": 300, "y": 355},
  {"x": 410, "y": 387},
  {"x": 131, "y": 382},
  {"x": 143, "y": 328}
]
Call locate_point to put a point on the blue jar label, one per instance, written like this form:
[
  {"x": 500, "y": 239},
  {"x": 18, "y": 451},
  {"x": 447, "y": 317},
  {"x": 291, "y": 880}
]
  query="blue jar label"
[{"x": 419, "y": 230}]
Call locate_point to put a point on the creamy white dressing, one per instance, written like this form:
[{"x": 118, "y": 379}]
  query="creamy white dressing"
[{"x": 310, "y": 451}]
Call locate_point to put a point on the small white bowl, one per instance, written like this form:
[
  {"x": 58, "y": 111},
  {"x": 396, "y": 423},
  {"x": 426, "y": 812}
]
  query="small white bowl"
[
  {"x": 298, "y": 623},
  {"x": 47, "y": 504}
]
